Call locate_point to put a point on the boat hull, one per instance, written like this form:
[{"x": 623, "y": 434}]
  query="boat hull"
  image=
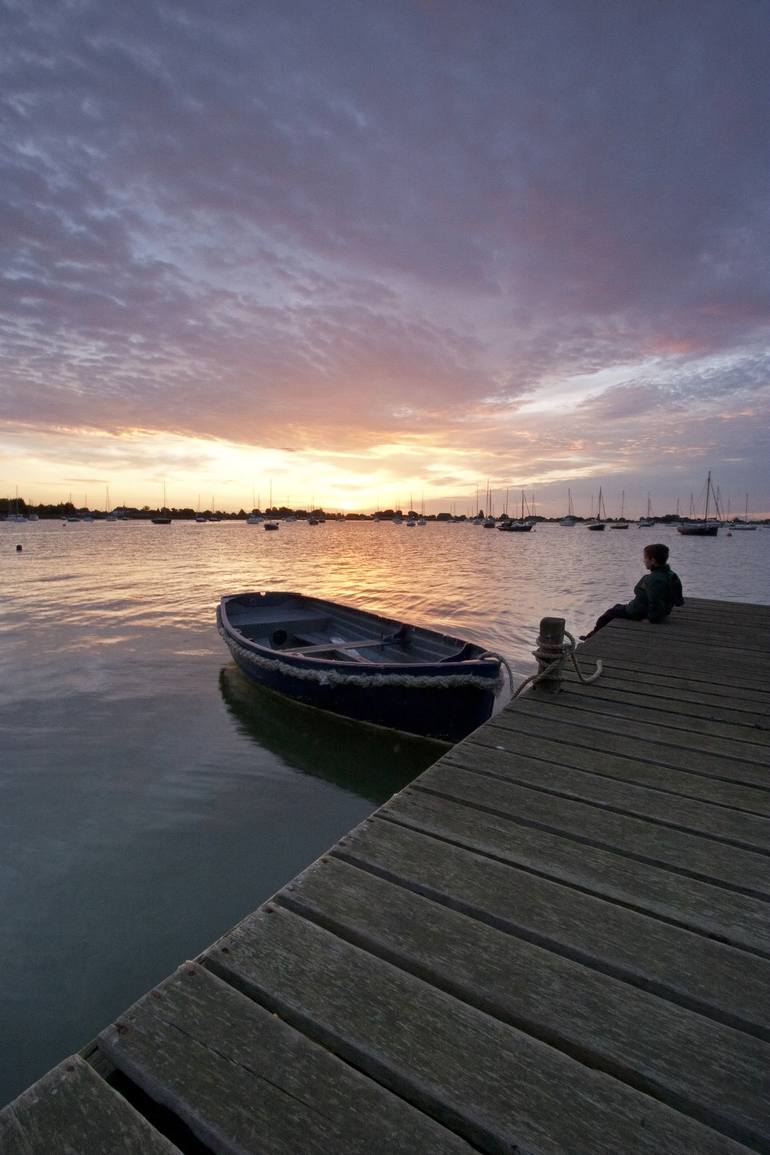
[
  {"x": 698, "y": 530},
  {"x": 443, "y": 699}
]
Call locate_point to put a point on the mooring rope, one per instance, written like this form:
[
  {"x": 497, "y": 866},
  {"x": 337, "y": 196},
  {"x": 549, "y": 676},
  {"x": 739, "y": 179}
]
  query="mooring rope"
[
  {"x": 567, "y": 652},
  {"x": 337, "y": 677}
]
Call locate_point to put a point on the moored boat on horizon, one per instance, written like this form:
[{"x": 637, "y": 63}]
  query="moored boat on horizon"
[
  {"x": 707, "y": 527},
  {"x": 601, "y": 515},
  {"x": 522, "y": 524},
  {"x": 570, "y": 520},
  {"x": 361, "y": 665}
]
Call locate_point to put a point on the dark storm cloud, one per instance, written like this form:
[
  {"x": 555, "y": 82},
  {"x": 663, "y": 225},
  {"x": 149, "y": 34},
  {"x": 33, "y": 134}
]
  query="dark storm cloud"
[{"x": 254, "y": 219}]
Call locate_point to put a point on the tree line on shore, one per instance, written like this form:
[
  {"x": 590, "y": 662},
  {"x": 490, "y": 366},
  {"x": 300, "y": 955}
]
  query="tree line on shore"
[{"x": 9, "y": 506}]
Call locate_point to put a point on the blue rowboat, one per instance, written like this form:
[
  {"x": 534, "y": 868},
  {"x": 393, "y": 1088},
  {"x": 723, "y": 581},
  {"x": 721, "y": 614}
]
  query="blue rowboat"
[{"x": 361, "y": 665}]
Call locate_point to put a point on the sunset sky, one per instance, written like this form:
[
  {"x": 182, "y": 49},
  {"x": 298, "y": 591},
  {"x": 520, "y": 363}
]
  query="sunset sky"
[{"x": 368, "y": 250}]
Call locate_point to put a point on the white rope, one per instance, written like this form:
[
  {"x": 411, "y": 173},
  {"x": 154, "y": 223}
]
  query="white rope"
[
  {"x": 586, "y": 681},
  {"x": 503, "y": 663},
  {"x": 568, "y": 652},
  {"x": 332, "y": 677}
]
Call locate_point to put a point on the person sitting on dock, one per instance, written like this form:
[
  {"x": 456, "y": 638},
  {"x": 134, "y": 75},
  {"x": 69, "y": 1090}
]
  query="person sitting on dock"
[{"x": 655, "y": 594}]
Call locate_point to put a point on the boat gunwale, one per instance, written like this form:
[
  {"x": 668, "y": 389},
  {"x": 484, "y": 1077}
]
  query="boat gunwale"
[{"x": 477, "y": 664}]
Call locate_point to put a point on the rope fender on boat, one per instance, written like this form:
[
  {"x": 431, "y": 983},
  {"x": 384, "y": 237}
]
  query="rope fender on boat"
[{"x": 336, "y": 678}]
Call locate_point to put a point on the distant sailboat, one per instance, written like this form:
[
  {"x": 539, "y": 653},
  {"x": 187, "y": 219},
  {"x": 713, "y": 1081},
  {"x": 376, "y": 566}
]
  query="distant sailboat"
[
  {"x": 649, "y": 521},
  {"x": 570, "y": 519},
  {"x": 707, "y": 527},
  {"x": 489, "y": 521},
  {"x": 162, "y": 518},
  {"x": 109, "y": 515},
  {"x": 16, "y": 516},
  {"x": 621, "y": 523},
  {"x": 601, "y": 514},
  {"x": 253, "y": 518},
  {"x": 521, "y": 525},
  {"x": 745, "y": 524}
]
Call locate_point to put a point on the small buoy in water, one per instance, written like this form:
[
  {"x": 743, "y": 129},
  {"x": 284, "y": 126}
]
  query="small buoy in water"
[
  {"x": 729, "y": 533},
  {"x": 18, "y": 549}
]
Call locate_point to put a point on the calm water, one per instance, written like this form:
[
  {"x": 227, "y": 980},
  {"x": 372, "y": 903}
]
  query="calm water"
[{"x": 150, "y": 797}]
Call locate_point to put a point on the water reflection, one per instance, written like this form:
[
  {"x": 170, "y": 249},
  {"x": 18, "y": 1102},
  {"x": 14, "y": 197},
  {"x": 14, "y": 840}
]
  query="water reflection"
[{"x": 366, "y": 760}]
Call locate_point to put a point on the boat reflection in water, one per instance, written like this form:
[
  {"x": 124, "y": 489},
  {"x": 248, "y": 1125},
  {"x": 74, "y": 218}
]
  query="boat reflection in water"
[{"x": 369, "y": 761}]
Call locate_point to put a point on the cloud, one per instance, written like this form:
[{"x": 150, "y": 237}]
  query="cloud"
[{"x": 329, "y": 225}]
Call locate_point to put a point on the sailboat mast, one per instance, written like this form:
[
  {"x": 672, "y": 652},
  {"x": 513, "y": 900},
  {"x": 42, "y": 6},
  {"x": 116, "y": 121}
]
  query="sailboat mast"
[{"x": 708, "y": 494}]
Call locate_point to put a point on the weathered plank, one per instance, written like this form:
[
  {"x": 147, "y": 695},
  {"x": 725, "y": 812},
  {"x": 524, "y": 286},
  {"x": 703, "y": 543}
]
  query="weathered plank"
[
  {"x": 493, "y": 1084},
  {"x": 626, "y": 768},
  {"x": 665, "y": 684},
  {"x": 711, "y": 710},
  {"x": 72, "y": 1111},
  {"x": 730, "y": 636},
  {"x": 677, "y": 964},
  {"x": 736, "y": 644},
  {"x": 555, "y": 709},
  {"x": 751, "y": 611},
  {"x": 748, "y": 830},
  {"x": 693, "y": 855},
  {"x": 688, "y": 902},
  {"x": 712, "y": 612},
  {"x": 714, "y": 1073},
  {"x": 647, "y": 746},
  {"x": 735, "y": 669},
  {"x": 671, "y": 639},
  {"x": 244, "y": 1081},
  {"x": 744, "y": 739},
  {"x": 701, "y": 626}
]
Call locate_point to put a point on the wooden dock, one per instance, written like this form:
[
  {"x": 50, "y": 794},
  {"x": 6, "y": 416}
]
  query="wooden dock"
[{"x": 555, "y": 942}]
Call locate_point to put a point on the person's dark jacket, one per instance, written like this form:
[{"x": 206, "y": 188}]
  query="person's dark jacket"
[{"x": 655, "y": 595}]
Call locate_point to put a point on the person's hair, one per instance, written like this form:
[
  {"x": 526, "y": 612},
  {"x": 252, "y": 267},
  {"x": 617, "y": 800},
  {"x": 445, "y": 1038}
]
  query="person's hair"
[{"x": 658, "y": 552}]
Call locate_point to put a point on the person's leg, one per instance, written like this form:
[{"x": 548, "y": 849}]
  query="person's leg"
[{"x": 616, "y": 611}]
